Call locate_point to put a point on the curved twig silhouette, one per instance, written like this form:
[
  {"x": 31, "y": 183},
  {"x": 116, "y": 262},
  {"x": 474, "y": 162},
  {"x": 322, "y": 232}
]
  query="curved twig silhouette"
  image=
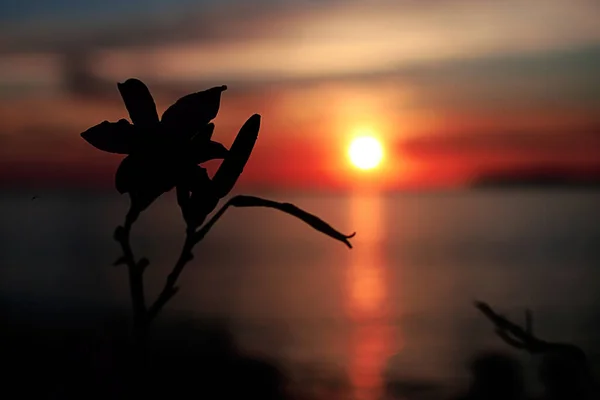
[
  {"x": 564, "y": 371},
  {"x": 522, "y": 338},
  {"x": 165, "y": 153}
]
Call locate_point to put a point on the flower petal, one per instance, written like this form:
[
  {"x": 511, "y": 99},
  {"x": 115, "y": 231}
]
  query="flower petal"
[
  {"x": 138, "y": 171},
  {"x": 198, "y": 140},
  {"x": 210, "y": 150},
  {"x": 203, "y": 199},
  {"x": 145, "y": 179},
  {"x": 139, "y": 103},
  {"x": 113, "y": 137},
  {"x": 198, "y": 180},
  {"x": 183, "y": 195},
  {"x": 125, "y": 176},
  {"x": 209, "y": 130},
  {"x": 205, "y": 133},
  {"x": 233, "y": 165},
  {"x": 190, "y": 113}
]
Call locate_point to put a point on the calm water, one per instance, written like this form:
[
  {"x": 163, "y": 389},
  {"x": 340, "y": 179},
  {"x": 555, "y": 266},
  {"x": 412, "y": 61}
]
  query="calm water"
[{"x": 400, "y": 301}]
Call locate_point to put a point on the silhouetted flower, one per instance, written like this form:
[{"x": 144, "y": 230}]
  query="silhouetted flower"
[
  {"x": 166, "y": 153},
  {"x": 161, "y": 153}
]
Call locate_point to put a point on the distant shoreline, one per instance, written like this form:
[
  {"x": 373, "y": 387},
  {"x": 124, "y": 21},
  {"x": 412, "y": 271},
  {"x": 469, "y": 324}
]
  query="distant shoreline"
[
  {"x": 538, "y": 178},
  {"x": 490, "y": 183},
  {"x": 522, "y": 185}
]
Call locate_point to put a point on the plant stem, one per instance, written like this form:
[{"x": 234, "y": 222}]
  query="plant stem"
[
  {"x": 136, "y": 280},
  {"x": 143, "y": 316},
  {"x": 170, "y": 289},
  {"x": 192, "y": 238}
]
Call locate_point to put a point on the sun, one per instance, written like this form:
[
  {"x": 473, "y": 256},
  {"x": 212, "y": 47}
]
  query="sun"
[{"x": 365, "y": 152}]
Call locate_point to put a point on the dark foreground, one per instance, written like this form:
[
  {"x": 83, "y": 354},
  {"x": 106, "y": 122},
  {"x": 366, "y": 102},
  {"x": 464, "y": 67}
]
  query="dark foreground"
[{"x": 89, "y": 355}]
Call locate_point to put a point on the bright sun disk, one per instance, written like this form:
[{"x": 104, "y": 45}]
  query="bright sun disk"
[{"x": 365, "y": 152}]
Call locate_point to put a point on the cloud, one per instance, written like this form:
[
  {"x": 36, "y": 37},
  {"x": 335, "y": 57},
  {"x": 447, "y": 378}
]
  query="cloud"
[
  {"x": 350, "y": 39},
  {"x": 566, "y": 142},
  {"x": 19, "y": 71},
  {"x": 332, "y": 38}
]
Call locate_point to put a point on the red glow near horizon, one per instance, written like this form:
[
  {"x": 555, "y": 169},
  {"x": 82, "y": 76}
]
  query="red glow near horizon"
[{"x": 454, "y": 100}]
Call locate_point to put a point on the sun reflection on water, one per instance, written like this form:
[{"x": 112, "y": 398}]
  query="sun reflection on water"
[{"x": 372, "y": 338}]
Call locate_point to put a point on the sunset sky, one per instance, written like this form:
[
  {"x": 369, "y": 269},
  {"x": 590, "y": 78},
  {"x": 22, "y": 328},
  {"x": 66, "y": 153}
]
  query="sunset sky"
[{"x": 453, "y": 89}]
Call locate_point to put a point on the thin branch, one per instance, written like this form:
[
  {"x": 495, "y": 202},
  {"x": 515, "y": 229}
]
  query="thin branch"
[
  {"x": 194, "y": 237},
  {"x": 170, "y": 289},
  {"x": 521, "y": 338},
  {"x": 511, "y": 341},
  {"x": 253, "y": 201},
  {"x": 135, "y": 270},
  {"x": 199, "y": 235}
]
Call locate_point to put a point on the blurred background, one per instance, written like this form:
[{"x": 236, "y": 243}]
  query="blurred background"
[{"x": 478, "y": 182}]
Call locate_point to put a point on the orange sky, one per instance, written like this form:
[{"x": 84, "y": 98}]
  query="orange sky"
[{"x": 453, "y": 89}]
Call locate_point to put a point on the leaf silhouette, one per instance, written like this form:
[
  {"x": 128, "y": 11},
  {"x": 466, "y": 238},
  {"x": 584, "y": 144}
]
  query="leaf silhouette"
[
  {"x": 312, "y": 220},
  {"x": 139, "y": 103},
  {"x": 192, "y": 112},
  {"x": 113, "y": 137},
  {"x": 233, "y": 165}
]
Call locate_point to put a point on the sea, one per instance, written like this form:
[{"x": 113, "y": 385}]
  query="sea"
[{"x": 397, "y": 307}]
